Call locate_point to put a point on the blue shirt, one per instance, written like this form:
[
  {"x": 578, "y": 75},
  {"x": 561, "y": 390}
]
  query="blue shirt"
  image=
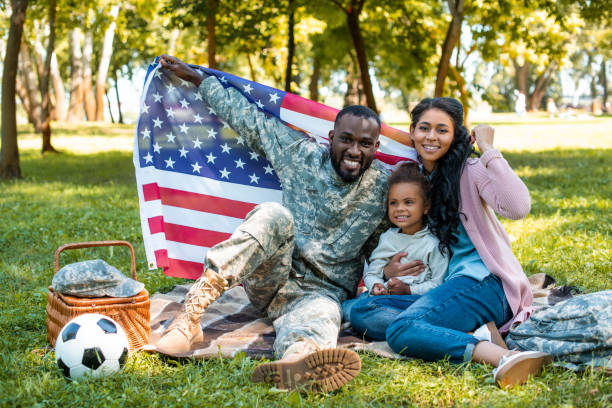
[{"x": 465, "y": 260}]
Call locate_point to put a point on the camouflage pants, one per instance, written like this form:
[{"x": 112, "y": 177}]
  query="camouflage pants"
[{"x": 304, "y": 308}]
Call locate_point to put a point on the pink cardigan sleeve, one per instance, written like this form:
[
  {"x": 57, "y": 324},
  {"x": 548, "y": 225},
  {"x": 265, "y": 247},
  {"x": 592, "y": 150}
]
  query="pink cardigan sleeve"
[{"x": 500, "y": 187}]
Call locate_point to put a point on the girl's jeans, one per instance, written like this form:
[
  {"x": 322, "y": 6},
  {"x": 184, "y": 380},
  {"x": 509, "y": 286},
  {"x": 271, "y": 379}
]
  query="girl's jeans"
[{"x": 434, "y": 325}]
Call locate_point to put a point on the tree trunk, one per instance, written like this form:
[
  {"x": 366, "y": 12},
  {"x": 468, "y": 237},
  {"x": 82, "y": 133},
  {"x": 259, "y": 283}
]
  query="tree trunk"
[
  {"x": 75, "y": 109},
  {"x": 30, "y": 83},
  {"x": 251, "y": 68},
  {"x": 522, "y": 75},
  {"x": 290, "y": 47},
  {"x": 352, "y": 85},
  {"x": 22, "y": 92},
  {"x": 9, "y": 152},
  {"x": 542, "y": 82},
  {"x": 88, "y": 94},
  {"x": 118, "y": 100},
  {"x": 352, "y": 17},
  {"x": 107, "y": 53},
  {"x": 44, "y": 83},
  {"x": 314, "y": 80},
  {"x": 211, "y": 26},
  {"x": 110, "y": 111},
  {"x": 456, "y": 75},
  {"x": 604, "y": 85},
  {"x": 452, "y": 36},
  {"x": 60, "y": 110}
]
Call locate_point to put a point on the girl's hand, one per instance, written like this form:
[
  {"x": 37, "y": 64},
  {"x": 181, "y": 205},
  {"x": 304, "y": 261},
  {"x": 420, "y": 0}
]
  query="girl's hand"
[
  {"x": 379, "y": 289},
  {"x": 394, "y": 268},
  {"x": 483, "y": 134},
  {"x": 180, "y": 69},
  {"x": 397, "y": 287}
]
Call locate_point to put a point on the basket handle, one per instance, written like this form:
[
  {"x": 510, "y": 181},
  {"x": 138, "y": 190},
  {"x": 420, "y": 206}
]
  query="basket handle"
[{"x": 92, "y": 244}]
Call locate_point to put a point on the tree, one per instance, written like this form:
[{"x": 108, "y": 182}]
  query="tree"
[
  {"x": 456, "y": 8},
  {"x": 9, "y": 153}
]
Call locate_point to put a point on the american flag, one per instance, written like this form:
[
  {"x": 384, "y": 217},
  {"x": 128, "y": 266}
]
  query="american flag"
[{"x": 197, "y": 179}]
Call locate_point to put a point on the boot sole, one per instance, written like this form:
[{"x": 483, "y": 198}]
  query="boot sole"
[
  {"x": 323, "y": 370},
  {"x": 519, "y": 372}
]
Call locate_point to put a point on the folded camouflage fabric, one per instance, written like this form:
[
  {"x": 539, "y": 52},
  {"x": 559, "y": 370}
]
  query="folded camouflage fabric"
[{"x": 576, "y": 331}]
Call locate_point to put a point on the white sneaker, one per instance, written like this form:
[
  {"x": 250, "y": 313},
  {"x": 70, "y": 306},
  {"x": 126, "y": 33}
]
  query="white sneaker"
[{"x": 516, "y": 368}]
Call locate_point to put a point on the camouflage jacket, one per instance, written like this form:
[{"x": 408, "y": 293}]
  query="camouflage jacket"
[{"x": 336, "y": 223}]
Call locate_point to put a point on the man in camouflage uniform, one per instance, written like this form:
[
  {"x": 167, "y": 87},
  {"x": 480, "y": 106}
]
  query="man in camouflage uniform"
[{"x": 297, "y": 261}]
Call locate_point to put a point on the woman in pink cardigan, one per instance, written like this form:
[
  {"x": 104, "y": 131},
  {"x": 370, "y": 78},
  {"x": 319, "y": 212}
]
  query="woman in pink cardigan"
[{"x": 484, "y": 282}]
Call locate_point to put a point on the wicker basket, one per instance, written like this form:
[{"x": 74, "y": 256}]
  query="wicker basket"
[{"x": 132, "y": 313}]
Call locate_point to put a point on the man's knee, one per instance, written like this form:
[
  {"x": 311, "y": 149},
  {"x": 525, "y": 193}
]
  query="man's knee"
[
  {"x": 277, "y": 218},
  {"x": 399, "y": 332}
]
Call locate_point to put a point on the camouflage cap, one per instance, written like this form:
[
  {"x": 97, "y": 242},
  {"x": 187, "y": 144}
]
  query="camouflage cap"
[{"x": 94, "y": 278}]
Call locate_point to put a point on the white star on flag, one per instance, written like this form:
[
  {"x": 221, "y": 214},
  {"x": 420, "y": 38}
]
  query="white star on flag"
[
  {"x": 171, "y": 137},
  {"x": 185, "y": 83},
  {"x": 184, "y": 103},
  {"x": 170, "y": 112},
  {"x": 146, "y": 133},
  {"x": 145, "y": 108},
  {"x": 157, "y": 97},
  {"x": 157, "y": 148},
  {"x": 157, "y": 122},
  {"x": 158, "y": 74},
  {"x": 197, "y": 96},
  {"x": 197, "y": 118},
  {"x": 210, "y": 158},
  {"x": 211, "y": 111},
  {"x": 259, "y": 104},
  {"x": 197, "y": 143},
  {"x": 225, "y": 125},
  {"x": 225, "y": 147},
  {"x": 248, "y": 88},
  {"x": 170, "y": 163},
  {"x": 240, "y": 140},
  {"x": 183, "y": 128},
  {"x": 254, "y": 156},
  {"x": 170, "y": 88},
  {"x": 240, "y": 163},
  {"x": 225, "y": 173},
  {"x": 211, "y": 133},
  {"x": 222, "y": 79},
  {"x": 254, "y": 178},
  {"x": 268, "y": 169},
  {"x": 196, "y": 167},
  {"x": 184, "y": 152},
  {"x": 274, "y": 97},
  {"x": 148, "y": 158}
]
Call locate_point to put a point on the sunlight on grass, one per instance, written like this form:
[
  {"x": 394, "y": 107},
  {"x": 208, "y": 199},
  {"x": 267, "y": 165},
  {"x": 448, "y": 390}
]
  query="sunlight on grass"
[{"x": 89, "y": 193}]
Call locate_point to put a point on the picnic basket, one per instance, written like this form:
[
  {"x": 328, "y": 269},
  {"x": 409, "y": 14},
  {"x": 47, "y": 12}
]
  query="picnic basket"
[{"x": 132, "y": 313}]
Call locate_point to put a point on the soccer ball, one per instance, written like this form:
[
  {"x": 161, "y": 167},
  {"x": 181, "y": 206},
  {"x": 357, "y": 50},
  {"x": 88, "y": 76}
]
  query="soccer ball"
[{"x": 91, "y": 344}]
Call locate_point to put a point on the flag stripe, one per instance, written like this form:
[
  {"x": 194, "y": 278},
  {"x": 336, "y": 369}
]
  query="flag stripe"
[
  {"x": 193, "y": 236},
  {"x": 200, "y": 219}
]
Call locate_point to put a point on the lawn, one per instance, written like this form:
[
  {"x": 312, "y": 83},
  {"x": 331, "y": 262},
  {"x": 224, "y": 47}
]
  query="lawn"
[{"x": 89, "y": 193}]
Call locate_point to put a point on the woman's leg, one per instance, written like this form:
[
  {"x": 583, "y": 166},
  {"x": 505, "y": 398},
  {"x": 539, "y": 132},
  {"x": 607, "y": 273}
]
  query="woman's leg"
[
  {"x": 436, "y": 325},
  {"x": 370, "y": 315}
]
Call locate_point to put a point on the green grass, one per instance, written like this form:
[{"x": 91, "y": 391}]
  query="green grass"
[{"x": 89, "y": 193}]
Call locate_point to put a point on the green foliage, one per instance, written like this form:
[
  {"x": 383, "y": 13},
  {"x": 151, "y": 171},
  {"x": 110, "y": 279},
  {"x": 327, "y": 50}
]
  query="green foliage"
[{"x": 89, "y": 193}]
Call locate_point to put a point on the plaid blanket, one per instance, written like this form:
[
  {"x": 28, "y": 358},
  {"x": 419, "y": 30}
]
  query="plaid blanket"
[{"x": 231, "y": 324}]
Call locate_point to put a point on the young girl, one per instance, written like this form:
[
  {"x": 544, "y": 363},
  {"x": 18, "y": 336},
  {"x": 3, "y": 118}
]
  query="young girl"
[
  {"x": 485, "y": 281},
  {"x": 408, "y": 202}
]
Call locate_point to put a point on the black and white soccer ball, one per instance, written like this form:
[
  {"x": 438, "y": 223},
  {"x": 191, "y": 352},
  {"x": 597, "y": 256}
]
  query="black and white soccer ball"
[{"x": 91, "y": 344}]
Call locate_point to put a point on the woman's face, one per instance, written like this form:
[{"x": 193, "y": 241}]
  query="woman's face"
[{"x": 432, "y": 136}]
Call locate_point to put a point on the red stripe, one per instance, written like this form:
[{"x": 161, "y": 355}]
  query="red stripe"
[
  {"x": 195, "y": 201},
  {"x": 161, "y": 258},
  {"x": 308, "y": 107},
  {"x": 183, "y": 269},
  {"x": 391, "y": 159},
  {"x": 150, "y": 192},
  {"x": 193, "y": 236},
  {"x": 156, "y": 224},
  {"x": 396, "y": 134}
]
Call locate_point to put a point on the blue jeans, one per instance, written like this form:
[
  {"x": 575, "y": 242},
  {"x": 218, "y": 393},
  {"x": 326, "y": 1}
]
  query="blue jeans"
[{"x": 434, "y": 325}]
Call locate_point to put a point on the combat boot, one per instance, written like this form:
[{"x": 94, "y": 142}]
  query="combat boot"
[{"x": 185, "y": 330}]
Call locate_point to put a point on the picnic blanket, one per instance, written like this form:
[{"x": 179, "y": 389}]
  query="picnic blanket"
[{"x": 232, "y": 325}]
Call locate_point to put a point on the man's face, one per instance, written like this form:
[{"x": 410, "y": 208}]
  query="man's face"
[{"x": 353, "y": 143}]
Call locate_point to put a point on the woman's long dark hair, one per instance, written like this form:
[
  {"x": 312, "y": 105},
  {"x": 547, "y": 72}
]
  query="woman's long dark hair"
[{"x": 444, "y": 213}]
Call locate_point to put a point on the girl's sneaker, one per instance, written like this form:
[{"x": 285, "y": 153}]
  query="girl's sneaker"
[{"x": 516, "y": 368}]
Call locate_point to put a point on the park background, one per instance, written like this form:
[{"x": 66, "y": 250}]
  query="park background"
[{"x": 72, "y": 76}]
